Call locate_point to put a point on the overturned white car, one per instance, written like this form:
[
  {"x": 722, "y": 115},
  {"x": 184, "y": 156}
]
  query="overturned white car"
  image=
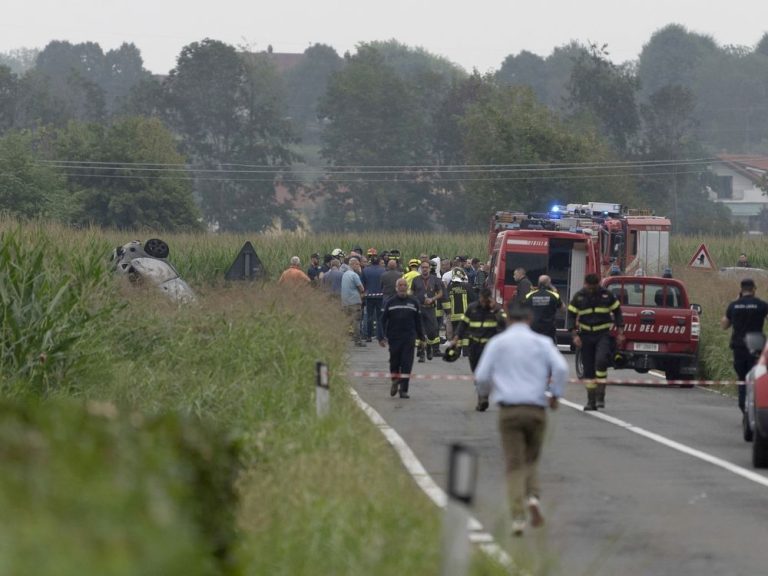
[{"x": 147, "y": 263}]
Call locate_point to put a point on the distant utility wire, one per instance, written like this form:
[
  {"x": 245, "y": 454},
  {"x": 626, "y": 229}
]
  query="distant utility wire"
[
  {"x": 356, "y": 173},
  {"x": 367, "y": 180}
]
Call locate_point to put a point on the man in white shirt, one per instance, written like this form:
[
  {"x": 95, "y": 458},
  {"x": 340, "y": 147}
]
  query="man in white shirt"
[{"x": 515, "y": 370}]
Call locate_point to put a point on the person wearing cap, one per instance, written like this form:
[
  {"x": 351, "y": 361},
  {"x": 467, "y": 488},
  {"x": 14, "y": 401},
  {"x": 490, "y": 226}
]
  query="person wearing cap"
[
  {"x": 314, "y": 270},
  {"x": 744, "y": 315},
  {"x": 413, "y": 272},
  {"x": 516, "y": 370},
  {"x": 590, "y": 323}
]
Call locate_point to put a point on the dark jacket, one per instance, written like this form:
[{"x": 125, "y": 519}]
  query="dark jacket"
[
  {"x": 544, "y": 304},
  {"x": 481, "y": 324},
  {"x": 401, "y": 320},
  {"x": 593, "y": 311},
  {"x": 746, "y": 314},
  {"x": 388, "y": 281},
  {"x": 523, "y": 287}
]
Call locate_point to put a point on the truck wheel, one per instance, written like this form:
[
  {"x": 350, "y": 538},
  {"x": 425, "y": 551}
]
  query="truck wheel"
[
  {"x": 746, "y": 428},
  {"x": 674, "y": 374},
  {"x": 760, "y": 450},
  {"x": 578, "y": 364}
]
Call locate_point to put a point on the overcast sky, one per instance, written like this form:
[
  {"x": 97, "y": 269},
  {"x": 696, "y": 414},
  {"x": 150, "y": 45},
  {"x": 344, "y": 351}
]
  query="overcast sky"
[{"x": 474, "y": 33}]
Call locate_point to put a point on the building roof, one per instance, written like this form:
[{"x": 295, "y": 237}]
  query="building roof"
[{"x": 752, "y": 167}]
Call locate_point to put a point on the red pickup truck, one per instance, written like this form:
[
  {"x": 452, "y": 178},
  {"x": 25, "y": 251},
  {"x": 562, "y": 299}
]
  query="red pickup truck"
[{"x": 661, "y": 327}]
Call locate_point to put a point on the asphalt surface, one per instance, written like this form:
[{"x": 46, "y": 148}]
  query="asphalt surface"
[{"x": 615, "y": 502}]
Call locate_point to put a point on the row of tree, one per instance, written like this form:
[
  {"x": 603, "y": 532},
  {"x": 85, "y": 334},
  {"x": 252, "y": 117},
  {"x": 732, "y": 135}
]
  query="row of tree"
[{"x": 387, "y": 137}]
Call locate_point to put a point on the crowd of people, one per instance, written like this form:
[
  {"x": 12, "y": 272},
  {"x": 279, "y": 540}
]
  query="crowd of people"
[
  {"x": 363, "y": 292},
  {"x": 412, "y": 306}
]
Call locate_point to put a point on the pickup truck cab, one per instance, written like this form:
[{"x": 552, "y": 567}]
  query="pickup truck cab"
[{"x": 661, "y": 327}]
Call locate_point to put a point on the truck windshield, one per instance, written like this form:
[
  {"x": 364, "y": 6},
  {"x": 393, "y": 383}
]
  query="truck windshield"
[
  {"x": 648, "y": 295},
  {"x": 535, "y": 265}
]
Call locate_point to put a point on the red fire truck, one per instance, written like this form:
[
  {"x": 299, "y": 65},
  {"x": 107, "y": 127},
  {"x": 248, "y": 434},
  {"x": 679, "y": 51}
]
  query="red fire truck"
[{"x": 571, "y": 241}]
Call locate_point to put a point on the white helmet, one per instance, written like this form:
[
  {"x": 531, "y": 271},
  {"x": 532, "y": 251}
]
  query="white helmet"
[{"x": 458, "y": 275}]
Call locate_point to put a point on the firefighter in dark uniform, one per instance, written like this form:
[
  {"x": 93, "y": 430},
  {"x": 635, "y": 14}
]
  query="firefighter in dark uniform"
[
  {"x": 457, "y": 303},
  {"x": 745, "y": 315},
  {"x": 544, "y": 303},
  {"x": 399, "y": 328},
  {"x": 590, "y": 322},
  {"x": 482, "y": 320},
  {"x": 427, "y": 289}
]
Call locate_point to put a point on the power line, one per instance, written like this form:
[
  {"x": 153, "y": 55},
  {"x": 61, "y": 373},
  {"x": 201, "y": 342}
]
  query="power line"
[
  {"x": 405, "y": 170},
  {"x": 386, "y": 180}
]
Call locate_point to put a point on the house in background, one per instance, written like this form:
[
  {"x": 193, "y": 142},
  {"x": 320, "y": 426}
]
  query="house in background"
[{"x": 738, "y": 186}]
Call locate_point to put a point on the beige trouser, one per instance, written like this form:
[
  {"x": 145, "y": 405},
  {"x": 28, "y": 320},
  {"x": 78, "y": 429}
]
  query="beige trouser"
[{"x": 522, "y": 433}]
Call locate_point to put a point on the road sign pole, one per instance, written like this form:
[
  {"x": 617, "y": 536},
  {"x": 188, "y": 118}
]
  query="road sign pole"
[
  {"x": 462, "y": 481},
  {"x": 322, "y": 390}
]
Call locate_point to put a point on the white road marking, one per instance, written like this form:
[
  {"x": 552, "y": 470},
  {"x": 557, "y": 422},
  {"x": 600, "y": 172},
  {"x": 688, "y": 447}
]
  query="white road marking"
[
  {"x": 477, "y": 534},
  {"x": 724, "y": 464}
]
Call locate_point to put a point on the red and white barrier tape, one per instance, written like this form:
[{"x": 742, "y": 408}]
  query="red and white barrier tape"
[{"x": 613, "y": 381}]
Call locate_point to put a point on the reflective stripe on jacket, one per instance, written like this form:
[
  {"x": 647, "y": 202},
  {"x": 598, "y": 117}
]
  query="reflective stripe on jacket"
[
  {"x": 481, "y": 324},
  {"x": 593, "y": 311}
]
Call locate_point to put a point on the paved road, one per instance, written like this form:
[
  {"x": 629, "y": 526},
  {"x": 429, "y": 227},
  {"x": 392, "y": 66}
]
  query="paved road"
[{"x": 616, "y": 502}]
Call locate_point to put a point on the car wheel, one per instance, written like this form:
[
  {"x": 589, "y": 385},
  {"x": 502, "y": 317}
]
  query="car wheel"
[
  {"x": 747, "y": 429},
  {"x": 156, "y": 248},
  {"x": 579, "y": 364},
  {"x": 759, "y": 450}
]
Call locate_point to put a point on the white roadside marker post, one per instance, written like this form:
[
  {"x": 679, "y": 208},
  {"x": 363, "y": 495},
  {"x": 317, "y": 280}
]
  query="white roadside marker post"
[
  {"x": 462, "y": 482},
  {"x": 322, "y": 390}
]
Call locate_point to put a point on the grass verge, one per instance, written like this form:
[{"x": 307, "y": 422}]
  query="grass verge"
[{"x": 318, "y": 496}]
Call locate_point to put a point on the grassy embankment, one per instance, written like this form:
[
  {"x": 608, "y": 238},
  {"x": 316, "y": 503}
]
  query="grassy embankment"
[
  {"x": 316, "y": 497},
  {"x": 714, "y": 291}
]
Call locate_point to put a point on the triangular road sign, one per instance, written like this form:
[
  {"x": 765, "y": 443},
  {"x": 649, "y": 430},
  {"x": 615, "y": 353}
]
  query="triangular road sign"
[
  {"x": 702, "y": 260},
  {"x": 246, "y": 266}
]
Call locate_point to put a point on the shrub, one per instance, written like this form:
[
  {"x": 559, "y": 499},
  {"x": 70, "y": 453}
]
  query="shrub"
[{"x": 90, "y": 490}]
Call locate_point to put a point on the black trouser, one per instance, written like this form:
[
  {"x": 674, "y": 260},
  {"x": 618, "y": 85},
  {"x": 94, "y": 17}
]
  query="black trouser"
[
  {"x": 429, "y": 321},
  {"x": 401, "y": 360},
  {"x": 743, "y": 362},
  {"x": 546, "y": 330},
  {"x": 373, "y": 312},
  {"x": 595, "y": 354},
  {"x": 475, "y": 351}
]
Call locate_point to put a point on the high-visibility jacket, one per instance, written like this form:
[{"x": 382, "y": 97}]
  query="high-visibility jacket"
[
  {"x": 458, "y": 300},
  {"x": 592, "y": 311},
  {"x": 481, "y": 324},
  {"x": 409, "y": 276}
]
